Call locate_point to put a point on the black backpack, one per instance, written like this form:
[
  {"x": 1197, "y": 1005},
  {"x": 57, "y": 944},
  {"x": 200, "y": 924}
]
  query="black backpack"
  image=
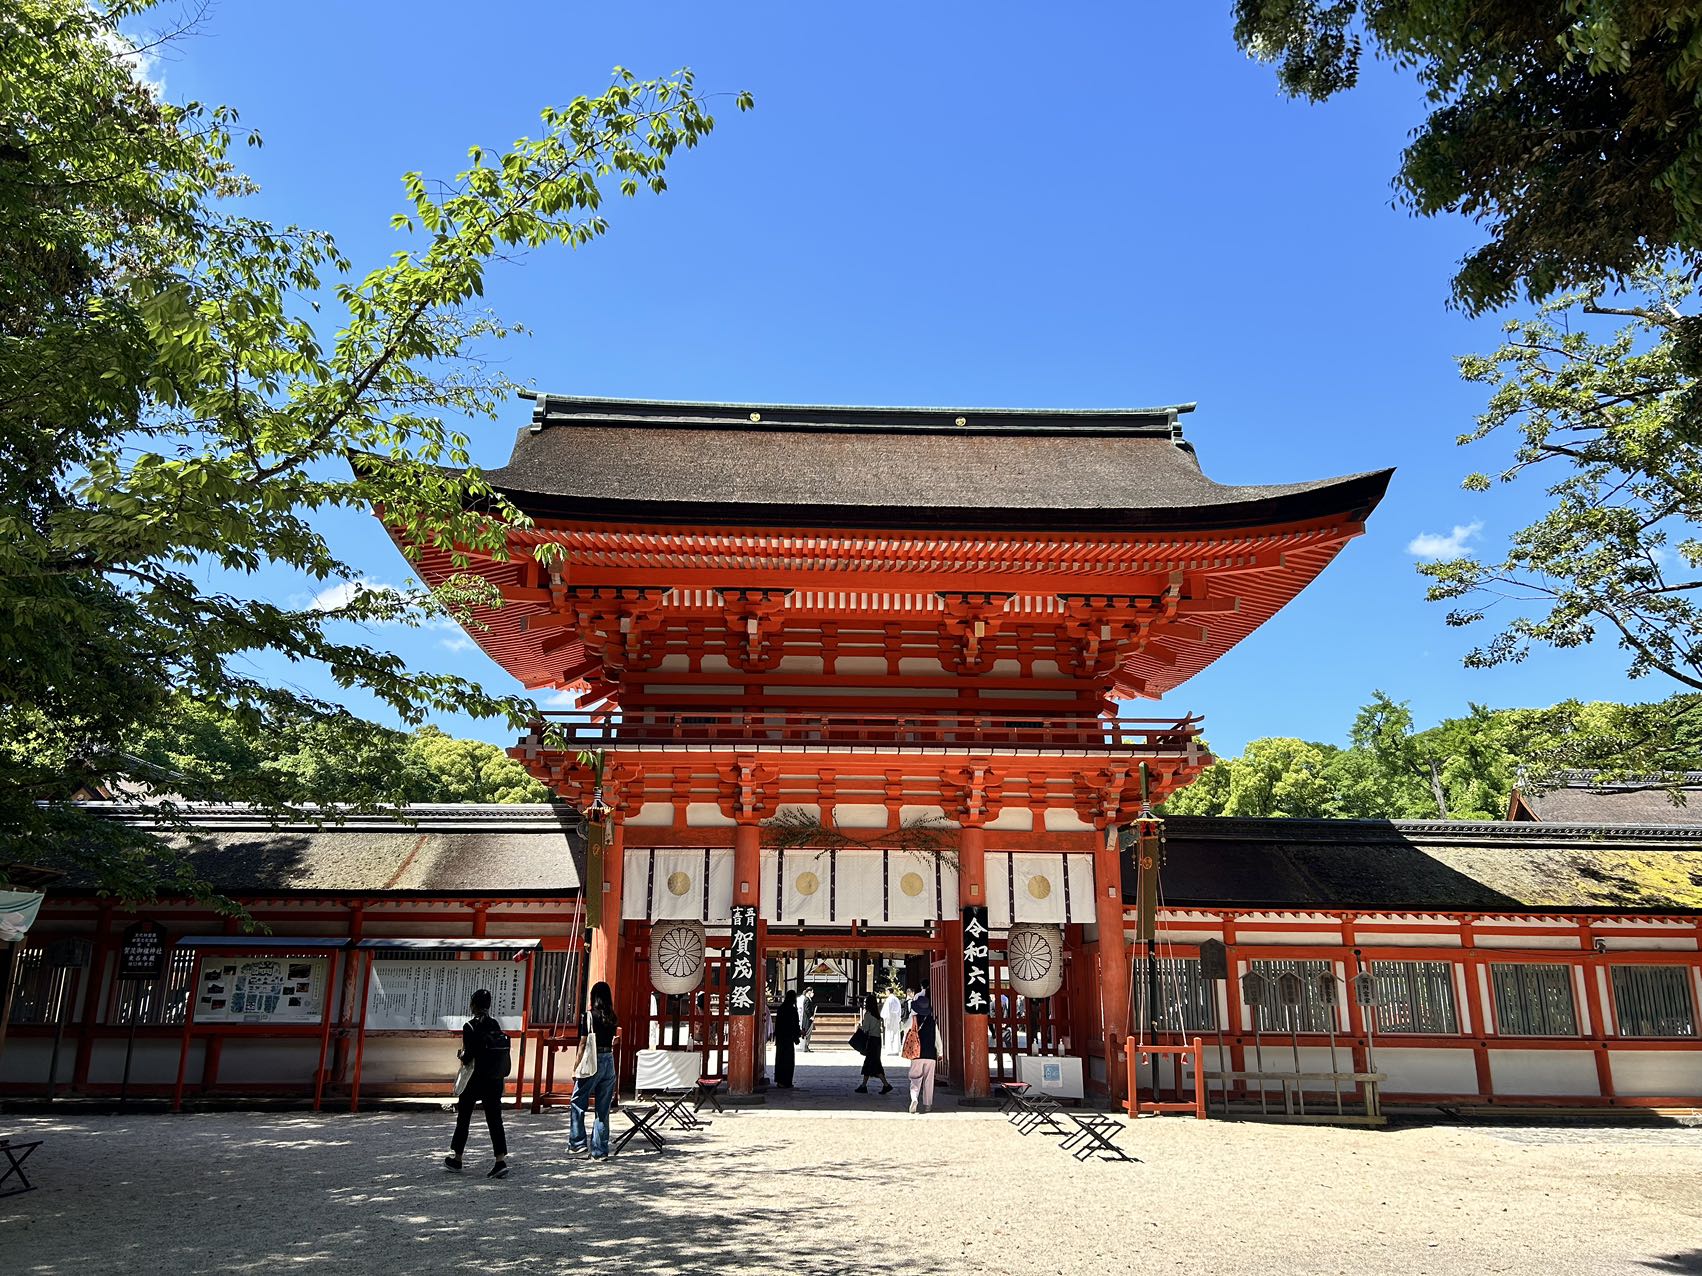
[{"x": 491, "y": 1055}]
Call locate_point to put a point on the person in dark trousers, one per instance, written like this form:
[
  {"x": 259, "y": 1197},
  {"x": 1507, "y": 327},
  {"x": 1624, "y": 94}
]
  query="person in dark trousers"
[
  {"x": 922, "y": 1067},
  {"x": 871, "y": 1027},
  {"x": 807, "y": 1016},
  {"x": 600, "y": 1086},
  {"x": 485, "y": 1047},
  {"x": 787, "y": 1033}
]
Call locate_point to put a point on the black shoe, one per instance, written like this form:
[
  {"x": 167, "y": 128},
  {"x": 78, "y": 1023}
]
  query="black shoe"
[
  {"x": 886, "y": 1087},
  {"x": 498, "y": 1171},
  {"x": 862, "y": 1089},
  {"x": 451, "y": 1162}
]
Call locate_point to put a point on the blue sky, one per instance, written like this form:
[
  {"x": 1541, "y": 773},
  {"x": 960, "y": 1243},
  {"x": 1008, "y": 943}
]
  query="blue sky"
[{"x": 1087, "y": 205}]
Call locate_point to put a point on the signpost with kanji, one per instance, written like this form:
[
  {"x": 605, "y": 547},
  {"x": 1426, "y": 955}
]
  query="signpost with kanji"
[
  {"x": 741, "y": 979},
  {"x": 977, "y": 960}
]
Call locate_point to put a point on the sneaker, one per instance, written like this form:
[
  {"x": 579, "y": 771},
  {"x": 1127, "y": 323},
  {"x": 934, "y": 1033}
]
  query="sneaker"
[
  {"x": 498, "y": 1171},
  {"x": 452, "y": 1163},
  {"x": 913, "y": 1107},
  {"x": 578, "y": 1149}
]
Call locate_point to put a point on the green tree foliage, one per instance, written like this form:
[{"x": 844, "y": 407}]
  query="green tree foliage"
[
  {"x": 1609, "y": 425},
  {"x": 181, "y": 386},
  {"x": 1463, "y": 768},
  {"x": 216, "y": 751},
  {"x": 1570, "y": 129}
]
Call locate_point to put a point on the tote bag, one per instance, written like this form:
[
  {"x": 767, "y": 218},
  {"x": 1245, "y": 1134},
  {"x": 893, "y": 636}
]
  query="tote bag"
[
  {"x": 912, "y": 1048},
  {"x": 586, "y": 1064}
]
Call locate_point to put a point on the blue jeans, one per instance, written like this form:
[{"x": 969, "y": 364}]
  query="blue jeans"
[{"x": 602, "y": 1087}]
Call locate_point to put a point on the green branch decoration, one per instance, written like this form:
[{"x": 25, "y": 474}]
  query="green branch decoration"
[{"x": 924, "y": 836}]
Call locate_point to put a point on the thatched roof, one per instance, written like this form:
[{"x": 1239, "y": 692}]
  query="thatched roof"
[
  {"x": 447, "y": 850},
  {"x": 1429, "y": 865},
  {"x": 1581, "y": 798},
  {"x": 748, "y": 463}
]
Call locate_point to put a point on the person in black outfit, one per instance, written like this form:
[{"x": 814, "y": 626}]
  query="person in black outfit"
[
  {"x": 871, "y": 1028},
  {"x": 481, "y": 1047},
  {"x": 787, "y": 1033}
]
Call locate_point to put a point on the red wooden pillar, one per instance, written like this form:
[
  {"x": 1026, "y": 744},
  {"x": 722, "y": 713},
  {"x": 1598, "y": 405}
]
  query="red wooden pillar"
[
  {"x": 1478, "y": 1010},
  {"x": 606, "y": 935},
  {"x": 747, "y": 880},
  {"x": 1113, "y": 958},
  {"x": 972, "y": 889},
  {"x": 93, "y": 999}
]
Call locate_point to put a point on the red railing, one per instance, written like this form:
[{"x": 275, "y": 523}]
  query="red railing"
[{"x": 759, "y": 728}]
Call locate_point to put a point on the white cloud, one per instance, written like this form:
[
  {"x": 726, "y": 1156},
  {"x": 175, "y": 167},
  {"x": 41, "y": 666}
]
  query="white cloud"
[
  {"x": 143, "y": 64},
  {"x": 1436, "y": 545},
  {"x": 457, "y": 644},
  {"x": 345, "y": 592},
  {"x": 559, "y": 700}
]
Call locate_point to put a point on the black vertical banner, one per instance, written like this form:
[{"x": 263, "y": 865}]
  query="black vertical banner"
[
  {"x": 977, "y": 960},
  {"x": 741, "y": 979}
]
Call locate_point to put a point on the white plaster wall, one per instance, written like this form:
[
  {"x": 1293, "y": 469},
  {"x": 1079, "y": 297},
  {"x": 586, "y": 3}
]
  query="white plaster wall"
[
  {"x": 707, "y": 815},
  {"x": 154, "y": 1063},
  {"x": 1431, "y": 1070},
  {"x": 860, "y": 815},
  {"x": 263, "y": 1062},
  {"x": 1015, "y": 819},
  {"x": 906, "y": 814},
  {"x": 652, "y": 815},
  {"x": 799, "y": 664},
  {"x": 1315, "y": 938},
  {"x": 1648, "y": 943},
  {"x": 920, "y": 665},
  {"x": 426, "y": 1061},
  {"x": 1534, "y": 940},
  {"x": 1674, "y": 1074},
  {"x": 1064, "y": 820},
  {"x": 860, "y": 665},
  {"x": 1544, "y": 1072}
]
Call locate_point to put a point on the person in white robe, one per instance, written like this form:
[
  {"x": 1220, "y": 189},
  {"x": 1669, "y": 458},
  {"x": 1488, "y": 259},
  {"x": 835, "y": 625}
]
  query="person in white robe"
[{"x": 892, "y": 1015}]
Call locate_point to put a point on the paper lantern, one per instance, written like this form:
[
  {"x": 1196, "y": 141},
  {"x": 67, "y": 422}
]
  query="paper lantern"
[
  {"x": 1034, "y": 956},
  {"x": 676, "y": 957}
]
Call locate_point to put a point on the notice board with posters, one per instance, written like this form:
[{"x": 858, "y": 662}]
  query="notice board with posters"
[
  {"x": 261, "y": 989},
  {"x": 409, "y": 993}
]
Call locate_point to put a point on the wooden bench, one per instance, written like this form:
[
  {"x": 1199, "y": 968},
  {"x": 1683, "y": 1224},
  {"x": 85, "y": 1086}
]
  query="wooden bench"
[
  {"x": 1293, "y": 1086},
  {"x": 16, "y": 1154}
]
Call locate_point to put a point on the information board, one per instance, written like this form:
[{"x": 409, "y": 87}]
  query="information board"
[
  {"x": 261, "y": 989},
  {"x": 407, "y": 993},
  {"x": 141, "y": 955}
]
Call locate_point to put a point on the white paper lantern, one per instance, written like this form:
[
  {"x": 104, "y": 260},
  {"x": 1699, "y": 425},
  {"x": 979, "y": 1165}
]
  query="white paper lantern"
[
  {"x": 676, "y": 957},
  {"x": 1034, "y": 956}
]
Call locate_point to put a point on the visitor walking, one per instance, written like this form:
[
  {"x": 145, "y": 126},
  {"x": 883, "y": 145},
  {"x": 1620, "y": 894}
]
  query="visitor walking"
[
  {"x": 870, "y": 1026},
  {"x": 787, "y": 1034},
  {"x": 892, "y": 1016},
  {"x": 600, "y": 1086},
  {"x": 923, "y": 1038},
  {"x": 484, "y": 1055},
  {"x": 807, "y": 1017}
]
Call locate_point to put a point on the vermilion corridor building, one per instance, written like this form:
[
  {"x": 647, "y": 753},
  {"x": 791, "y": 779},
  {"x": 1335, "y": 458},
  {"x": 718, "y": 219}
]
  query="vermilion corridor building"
[
  {"x": 907, "y": 629},
  {"x": 852, "y": 680}
]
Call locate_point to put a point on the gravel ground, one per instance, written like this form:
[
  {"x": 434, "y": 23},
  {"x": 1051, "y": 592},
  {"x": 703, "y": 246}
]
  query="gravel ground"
[{"x": 876, "y": 1191}]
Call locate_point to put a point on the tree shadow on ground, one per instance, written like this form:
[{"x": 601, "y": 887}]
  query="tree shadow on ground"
[
  {"x": 1689, "y": 1262},
  {"x": 370, "y": 1194}
]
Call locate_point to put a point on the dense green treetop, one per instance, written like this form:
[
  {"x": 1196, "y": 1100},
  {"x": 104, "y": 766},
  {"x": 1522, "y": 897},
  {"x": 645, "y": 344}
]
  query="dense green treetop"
[
  {"x": 181, "y": 386},
  {"x": 1463, "y": 768},
  {"x": 1571, "y": 129}
]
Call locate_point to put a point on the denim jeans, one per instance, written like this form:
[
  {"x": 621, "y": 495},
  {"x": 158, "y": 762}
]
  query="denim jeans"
[{"x": 600, "y": 1086}]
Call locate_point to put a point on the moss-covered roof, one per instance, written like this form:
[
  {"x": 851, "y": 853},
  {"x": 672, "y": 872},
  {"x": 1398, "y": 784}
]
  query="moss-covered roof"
[{"x": 1423, "y": 865}]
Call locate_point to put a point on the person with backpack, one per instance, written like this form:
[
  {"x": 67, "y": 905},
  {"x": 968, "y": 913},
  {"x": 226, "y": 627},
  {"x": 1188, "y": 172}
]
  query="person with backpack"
[
  {"x": 485, "y": 1056},
  {"x": 922, "y": 1048},
  {"x": 600, "y": 1085}
]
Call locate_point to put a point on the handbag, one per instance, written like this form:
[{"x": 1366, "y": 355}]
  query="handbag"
[
  {"x": 462, "y": 1078},
  {"x": 912, "y": 1047},
  {"x": 586, "y": 1064},
  {"x": 860, "y": 1041}
]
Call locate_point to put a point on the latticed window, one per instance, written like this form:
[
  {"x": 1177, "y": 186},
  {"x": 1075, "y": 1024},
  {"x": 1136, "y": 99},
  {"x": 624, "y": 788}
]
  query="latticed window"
[
  {"x": 555, "y": 981},
  {"x": 1186, "y": 1002},
  {"x": 1415, "y": 996},
  {"x": 1533, "y": 999},
  {"x": 155, "y": 1001},
  {"x": 41, "y": 994},
  {"x": 1654, "y": 1001},
  {"x": 1314, "y": 1013}
]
